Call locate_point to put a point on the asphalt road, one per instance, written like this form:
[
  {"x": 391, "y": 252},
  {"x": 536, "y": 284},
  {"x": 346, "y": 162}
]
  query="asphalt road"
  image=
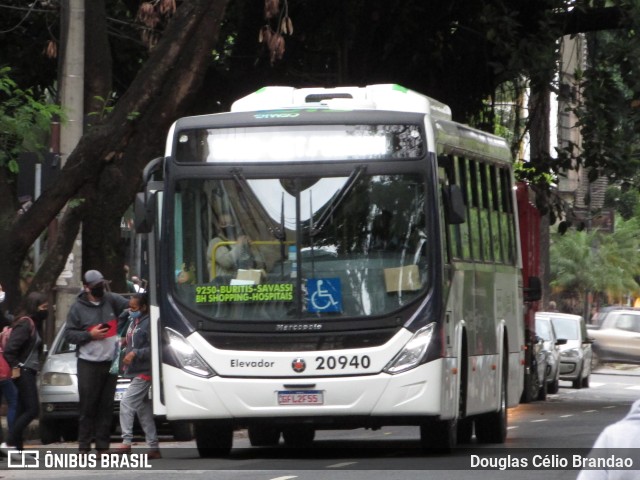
[{"x": 571, "y": 419}]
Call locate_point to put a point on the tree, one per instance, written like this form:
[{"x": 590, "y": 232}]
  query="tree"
[
  {"x": 595, "y": 262},
  {"x": 458, "y": 53},
  {"x": 111, "y": 155}
]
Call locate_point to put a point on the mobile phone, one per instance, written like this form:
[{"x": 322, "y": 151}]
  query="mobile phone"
[{"x": 104, "y": 325}]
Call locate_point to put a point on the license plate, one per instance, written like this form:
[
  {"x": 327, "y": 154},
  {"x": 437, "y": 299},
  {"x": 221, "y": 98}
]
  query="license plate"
[
  {"x": 119, "y": 393},
  {"x": 300, "y": 397}
]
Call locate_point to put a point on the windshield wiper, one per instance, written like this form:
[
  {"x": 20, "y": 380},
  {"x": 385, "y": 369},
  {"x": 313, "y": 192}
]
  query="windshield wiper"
[
  {"x": 317, "y": 226},
  {"x": 278, "y": 232}
]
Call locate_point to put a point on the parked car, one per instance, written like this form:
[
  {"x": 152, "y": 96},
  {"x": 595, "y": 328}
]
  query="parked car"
[
  {"x": 599, "y": 318},
  {"x": 535, "y": 386},
  {"x": 551, "y": 348},
  {"x": 576, "y": 353},
  {"x": 618, "y": 338},
  {"x": 59, "y": 400}
]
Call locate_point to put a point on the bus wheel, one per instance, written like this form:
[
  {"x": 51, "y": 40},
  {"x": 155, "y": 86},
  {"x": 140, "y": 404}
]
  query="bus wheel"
[
  {"x": 263, "y": 436},
  {"x": 465, "y": 430},
  {"x": 213, "y": 439},
  {"x": 439, "y": 436},
  {"x": 298, "y": 436},
  {"x": 492, "y": 427}
]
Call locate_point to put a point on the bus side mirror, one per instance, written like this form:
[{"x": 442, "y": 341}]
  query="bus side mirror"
[
  {"x": 144, "y": 212},
  {"x": 533, "y": 292},
  {"x": 454, "y": 208}
]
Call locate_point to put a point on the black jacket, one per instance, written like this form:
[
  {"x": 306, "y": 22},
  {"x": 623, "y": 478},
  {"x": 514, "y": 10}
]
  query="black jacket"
[{"x": 23, "y": 339}]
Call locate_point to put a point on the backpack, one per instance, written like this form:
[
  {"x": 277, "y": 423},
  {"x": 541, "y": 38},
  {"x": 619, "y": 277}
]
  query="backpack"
[{"x": 5, "y": 368}]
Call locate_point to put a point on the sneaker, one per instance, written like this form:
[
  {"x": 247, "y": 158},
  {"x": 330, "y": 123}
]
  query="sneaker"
[
  {"x": 123, "y": 449},
  {"x": 154, "y": 454},
  {"x": 4, "y": 449}
]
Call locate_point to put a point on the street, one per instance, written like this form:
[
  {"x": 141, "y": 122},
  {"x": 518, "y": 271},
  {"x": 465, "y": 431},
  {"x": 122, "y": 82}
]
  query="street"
[{"x": 571, "y": 419}]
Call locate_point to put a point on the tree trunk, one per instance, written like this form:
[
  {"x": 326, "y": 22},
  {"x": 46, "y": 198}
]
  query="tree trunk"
[
  {"x": 540, "y": 108},
  {"x": 110, "y": 157}
]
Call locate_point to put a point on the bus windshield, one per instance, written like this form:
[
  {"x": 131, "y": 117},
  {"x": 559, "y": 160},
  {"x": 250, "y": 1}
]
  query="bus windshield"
[{"x": 294, "y": 248}]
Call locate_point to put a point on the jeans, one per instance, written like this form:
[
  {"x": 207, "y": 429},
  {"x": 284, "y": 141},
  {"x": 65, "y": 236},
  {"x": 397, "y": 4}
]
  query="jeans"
[
  {"x": 28, "y": 406},
  {"x": 9, "y": 391},
  {"x": 96, "y": 388},
  {"x": 136, "y": 401}
]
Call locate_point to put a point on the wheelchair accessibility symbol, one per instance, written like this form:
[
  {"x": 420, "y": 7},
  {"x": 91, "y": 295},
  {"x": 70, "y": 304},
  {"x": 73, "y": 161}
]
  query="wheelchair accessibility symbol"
[{"x": 325, "y": 295}]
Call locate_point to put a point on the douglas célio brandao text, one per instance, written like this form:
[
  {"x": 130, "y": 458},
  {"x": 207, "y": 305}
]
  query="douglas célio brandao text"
[{"x": 551, "y": 462}]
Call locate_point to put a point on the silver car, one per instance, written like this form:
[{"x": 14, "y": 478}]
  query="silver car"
[
  {"x": 618, "y": 337},
  {"x": 551, "y": 347},
  {"x": 575, "y": 355},
  {"x": 59, "y": 400}
]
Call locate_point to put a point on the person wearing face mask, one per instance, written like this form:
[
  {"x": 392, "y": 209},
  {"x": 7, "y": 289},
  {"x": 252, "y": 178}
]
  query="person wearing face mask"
[
  {"x": 229, "y": 257},
  {"x": 92, "y": 325},
  {"x": 22, "y": 353},
  {"x": 137, "y": 365}
]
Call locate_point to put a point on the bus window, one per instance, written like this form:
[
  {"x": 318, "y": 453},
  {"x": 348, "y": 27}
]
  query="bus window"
[{"x": 238, "y": 241}]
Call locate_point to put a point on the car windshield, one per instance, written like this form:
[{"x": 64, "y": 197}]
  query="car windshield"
[
  {"x": 63, "y": 345},
  {"x": 626, "y": 321},
  {"x": 566, "y": 328},
  {"x": 543, "y": 329}
]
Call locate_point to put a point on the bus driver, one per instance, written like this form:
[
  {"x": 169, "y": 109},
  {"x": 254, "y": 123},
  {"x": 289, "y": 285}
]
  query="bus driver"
[{"x": 229, "y": 256}]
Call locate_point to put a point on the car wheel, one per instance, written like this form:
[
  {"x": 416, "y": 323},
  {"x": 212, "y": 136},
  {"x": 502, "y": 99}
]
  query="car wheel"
[
  {"x": 542, "y": 393},
  {"x": 69, "y": 431},
  {"x": 554, "y": 386},
  {"x": 531, "y": 387},
  {"x": 577, "y": 383},
  {"x": 585, "y": 382},
  {"x": 49, "y": 432}
]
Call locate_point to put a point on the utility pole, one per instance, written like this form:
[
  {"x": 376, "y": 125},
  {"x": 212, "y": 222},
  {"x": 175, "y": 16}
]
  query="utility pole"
[{"x": 72, "y": 101}]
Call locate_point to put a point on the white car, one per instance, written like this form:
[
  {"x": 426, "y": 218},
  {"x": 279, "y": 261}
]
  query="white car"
[{"x": 575, "y": 355}]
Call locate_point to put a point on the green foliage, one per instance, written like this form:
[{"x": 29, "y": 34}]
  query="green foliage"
[
  {"x": 597, "y": 262},
  {"x": 608, "y": 113},
  {"x": 611, "y": 196},
  {"x": 106, "y": 106},
  {"x": 24, "y": 121},
  {"x": 628, "y": 203}
]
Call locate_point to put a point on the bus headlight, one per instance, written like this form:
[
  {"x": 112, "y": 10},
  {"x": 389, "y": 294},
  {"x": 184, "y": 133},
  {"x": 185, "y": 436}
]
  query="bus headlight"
[
  {"x": 413, "y": 352},
  {"x": 186, "y": 356}
]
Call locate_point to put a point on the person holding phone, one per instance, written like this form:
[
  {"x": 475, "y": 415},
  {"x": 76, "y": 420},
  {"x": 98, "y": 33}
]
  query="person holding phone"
[
  {"x": 92, "y": 325},
  {"x": 137, "y": 366}
]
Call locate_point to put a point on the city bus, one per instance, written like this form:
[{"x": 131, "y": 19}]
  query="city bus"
[{"x": 375, "y": 276}]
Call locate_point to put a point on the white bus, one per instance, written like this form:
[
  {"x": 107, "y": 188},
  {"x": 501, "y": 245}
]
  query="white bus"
[{"x": 375, "y": 275}]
